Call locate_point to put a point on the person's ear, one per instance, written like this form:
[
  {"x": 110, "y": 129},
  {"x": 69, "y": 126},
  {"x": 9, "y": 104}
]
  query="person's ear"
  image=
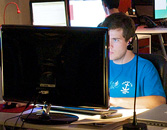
[
  {"x": 130, "y": 44},
  {"x": 130, "y": 39}
]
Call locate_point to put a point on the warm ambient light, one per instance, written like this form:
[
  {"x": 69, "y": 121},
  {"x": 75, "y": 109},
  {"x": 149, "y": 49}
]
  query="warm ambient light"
[{"x": 18, "y": 10}]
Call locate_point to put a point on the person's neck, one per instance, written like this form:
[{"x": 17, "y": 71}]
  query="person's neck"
[
  {"x": 126, "y": 58},
  {"x": 112, "y": 11}
]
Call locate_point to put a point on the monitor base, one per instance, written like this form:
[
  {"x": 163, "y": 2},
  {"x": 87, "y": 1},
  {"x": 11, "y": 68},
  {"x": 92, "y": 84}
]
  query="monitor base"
[{"x": 51, "y": 119}]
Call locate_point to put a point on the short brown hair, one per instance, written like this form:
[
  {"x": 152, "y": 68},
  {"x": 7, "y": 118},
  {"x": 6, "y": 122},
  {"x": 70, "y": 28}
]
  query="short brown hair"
[
  {"x": 120, "y": 20},
  {"x": 111, "y": 3}
]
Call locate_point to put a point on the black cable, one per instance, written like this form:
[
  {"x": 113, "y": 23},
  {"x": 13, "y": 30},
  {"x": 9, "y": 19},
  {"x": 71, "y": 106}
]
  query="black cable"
[
  {"x": 17, "y": 116},
  {"x": 21, "y": 114},
  {"x": 134, "y": 116},
  {"x": 30, "y": 112},
  {"x": 27, "y": 116},
  {"x": 14, "y": 117},
  {"x": 9, "y": 119}
]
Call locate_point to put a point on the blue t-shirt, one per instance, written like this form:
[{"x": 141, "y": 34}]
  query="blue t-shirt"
[{"x": 122, "y": 79}]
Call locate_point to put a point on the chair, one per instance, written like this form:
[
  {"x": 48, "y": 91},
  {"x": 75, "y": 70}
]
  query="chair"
[{"x": 160, "y": 63}]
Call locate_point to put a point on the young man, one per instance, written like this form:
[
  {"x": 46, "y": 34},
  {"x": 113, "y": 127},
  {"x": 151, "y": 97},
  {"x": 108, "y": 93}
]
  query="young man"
[
  {"x": 122, "y": 68},
  {"x": 110, "y": 6}
]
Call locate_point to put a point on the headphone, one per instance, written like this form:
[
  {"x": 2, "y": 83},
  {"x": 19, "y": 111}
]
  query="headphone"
[{"x": 130, "y": 44}]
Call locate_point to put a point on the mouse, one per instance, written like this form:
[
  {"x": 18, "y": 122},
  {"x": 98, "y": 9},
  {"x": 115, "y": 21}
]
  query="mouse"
[{"x": 12, "y": 105}]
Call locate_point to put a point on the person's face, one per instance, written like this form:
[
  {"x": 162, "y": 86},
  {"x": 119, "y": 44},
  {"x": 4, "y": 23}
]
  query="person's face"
[{"x": 117, "y": 45}]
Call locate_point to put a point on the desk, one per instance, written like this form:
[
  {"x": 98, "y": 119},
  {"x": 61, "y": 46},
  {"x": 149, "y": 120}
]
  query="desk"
[
  {"x": 154, "y": 31},
  {"x": 73, "y": 126},
  {"x": 144, "y": 43}
]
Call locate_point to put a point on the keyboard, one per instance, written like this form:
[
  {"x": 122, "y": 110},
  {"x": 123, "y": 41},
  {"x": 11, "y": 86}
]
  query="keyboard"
[{"x": 83, "y": 110}]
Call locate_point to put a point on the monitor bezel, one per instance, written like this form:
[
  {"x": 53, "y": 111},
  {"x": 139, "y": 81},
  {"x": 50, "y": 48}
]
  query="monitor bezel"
[
  {"x": 137, "y": 3},
  {"x": 151, "y": 6},
  {"x": 42, "y": 1},
  {"x": 105, "y": 61}
]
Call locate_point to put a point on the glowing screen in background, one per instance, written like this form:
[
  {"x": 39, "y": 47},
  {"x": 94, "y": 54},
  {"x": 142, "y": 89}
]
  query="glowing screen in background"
[
  {"x": 49, "y": 13},
  {"x": 160, "y": 9},
  {"x": 86, "y": 13}
]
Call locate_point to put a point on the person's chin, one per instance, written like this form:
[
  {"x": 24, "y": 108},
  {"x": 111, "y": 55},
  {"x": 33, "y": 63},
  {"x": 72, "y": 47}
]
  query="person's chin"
[{"x": 112, "y": 58}]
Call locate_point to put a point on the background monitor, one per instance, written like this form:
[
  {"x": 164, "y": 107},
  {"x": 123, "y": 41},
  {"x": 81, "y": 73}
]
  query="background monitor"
[
  {"x": 144, "y": 7},
  {"x": 49, "y": 12},
  {"x": 67, "y": 65},
  {"x": 86, "y": 13},
  {"x": 160, "y": 9},
  {"x": 155, "y": 9}
]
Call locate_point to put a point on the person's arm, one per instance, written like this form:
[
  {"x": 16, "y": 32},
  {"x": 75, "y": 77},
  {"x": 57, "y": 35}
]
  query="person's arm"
[{"x": 141, "y": 102}]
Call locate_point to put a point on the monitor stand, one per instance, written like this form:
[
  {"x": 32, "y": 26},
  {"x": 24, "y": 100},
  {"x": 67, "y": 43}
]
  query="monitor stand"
[{"x": 45, "y": 117}]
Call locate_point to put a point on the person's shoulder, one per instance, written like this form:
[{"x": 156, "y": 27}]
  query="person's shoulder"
[
  {"x": 143, "y": 60},
  {"x": 145, "y": 63}
]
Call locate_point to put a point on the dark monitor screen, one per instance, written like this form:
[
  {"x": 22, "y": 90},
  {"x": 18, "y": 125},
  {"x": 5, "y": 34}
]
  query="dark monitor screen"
[
  {"x": 49, "y": 12},
  {"x": 156, "y": 9},
  {"x": 68, "y": 66},
  {"x": 144, "y": 7}
]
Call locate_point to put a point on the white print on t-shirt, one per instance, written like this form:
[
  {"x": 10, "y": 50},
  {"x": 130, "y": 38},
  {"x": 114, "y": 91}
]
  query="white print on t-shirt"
[
  {"x": 114, "y": 85},
  {"x": 125, "y": 89}
]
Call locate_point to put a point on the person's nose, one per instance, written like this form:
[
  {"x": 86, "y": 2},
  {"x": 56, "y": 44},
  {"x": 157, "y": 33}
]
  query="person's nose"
[{"x": 110, "y": 46}]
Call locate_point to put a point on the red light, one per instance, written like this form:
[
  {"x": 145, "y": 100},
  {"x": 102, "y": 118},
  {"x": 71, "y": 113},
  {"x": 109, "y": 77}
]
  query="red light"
[{"x": 18, "y": 10}]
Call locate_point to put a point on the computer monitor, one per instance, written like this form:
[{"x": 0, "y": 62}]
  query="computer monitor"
[
  {"x": 160, "y": 9},
  {"x": 155, "y": 9},
  {"x": 144, "y": 7},
  {"x": 86, "y": 13},
  {"x": 49, "y": 12},
  {"x": 66, "y": 66}
]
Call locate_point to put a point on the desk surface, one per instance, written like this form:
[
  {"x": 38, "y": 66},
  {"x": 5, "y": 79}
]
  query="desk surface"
[
  {"x": 141, "y": 36},
  {"x": 74, "y": 126},
  {"x": 156, "y": 30}
]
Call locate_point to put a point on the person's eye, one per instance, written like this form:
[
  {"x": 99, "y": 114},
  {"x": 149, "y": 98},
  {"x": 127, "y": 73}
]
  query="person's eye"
[{"x": 115, "y": 40}]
